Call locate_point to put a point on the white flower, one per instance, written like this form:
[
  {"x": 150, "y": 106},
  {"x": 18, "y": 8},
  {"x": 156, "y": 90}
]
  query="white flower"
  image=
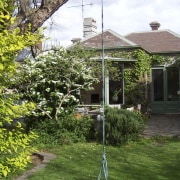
[{"x": 47, "y": 89}]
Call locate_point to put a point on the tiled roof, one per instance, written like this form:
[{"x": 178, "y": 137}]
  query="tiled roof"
[
  {"x": 111, "y": 39},
  {"x": 158, "y": 41}
]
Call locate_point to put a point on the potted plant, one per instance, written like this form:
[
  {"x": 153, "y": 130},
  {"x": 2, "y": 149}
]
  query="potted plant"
[{"x": 115, "y": 95}]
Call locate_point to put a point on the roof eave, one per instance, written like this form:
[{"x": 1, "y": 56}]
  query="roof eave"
[
  {"x": 166, "y": 52},
  {"x": 114, "y": 59},
  {"x": 116, "y": 47}
]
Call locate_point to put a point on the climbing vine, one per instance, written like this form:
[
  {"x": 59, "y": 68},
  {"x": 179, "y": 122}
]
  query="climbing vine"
[
  {"x": 137, "y": 71},
  {"x": 137, "y": 74}
]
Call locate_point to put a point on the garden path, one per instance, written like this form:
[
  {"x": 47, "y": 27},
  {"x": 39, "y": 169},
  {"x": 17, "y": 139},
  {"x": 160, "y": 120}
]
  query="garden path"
[{"x": 163, "y": 125}]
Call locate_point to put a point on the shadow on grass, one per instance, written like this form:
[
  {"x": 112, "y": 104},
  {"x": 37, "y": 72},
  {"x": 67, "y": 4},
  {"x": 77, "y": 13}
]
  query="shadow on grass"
[{"x": 157, "y": 159}]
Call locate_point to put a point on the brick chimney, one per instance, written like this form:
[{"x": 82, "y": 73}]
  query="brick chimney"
[
  {"x": 154, "y": 25},
  {"x": 89, "y": 27}
]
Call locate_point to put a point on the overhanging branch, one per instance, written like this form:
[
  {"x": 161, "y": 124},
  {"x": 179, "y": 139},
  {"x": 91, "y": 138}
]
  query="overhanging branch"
[{"x": 35, "y": 15}]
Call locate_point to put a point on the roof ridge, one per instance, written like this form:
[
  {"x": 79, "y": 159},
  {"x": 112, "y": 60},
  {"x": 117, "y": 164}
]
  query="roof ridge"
[
  {"x": 154, "y": 31},
  {"x": 114, "y": 33},
  {"x": 172, "y": 32}
]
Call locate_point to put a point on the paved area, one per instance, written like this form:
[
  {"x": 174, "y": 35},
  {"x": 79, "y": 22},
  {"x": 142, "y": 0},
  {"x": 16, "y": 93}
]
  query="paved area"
[{"x": 163, "y": 125}]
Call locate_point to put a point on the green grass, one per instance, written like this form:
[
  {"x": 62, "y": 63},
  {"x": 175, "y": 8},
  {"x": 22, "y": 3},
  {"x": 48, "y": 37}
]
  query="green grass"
[{"x": 157, "y": 159}]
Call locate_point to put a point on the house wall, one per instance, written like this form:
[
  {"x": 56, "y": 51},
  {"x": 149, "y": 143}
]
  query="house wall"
[{"x": 93, "y": 96}]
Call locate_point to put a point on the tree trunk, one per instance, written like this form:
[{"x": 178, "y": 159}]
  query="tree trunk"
[{"x": 35, "y": 15}]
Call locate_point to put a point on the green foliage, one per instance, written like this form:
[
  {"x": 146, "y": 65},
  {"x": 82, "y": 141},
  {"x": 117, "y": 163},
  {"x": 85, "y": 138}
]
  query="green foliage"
[
  {"x": 53, "y": 80},
  {"x": 136, "y": 80},
  {"x": 5, "y": 13},
  {"x": 157, "y": 59},
  {"x": 143, "y": 63},
  {"x": 122, "y": 126},
  {"x": 11, "y": 43},
  {"x": 14, "y": 143},
  {"x": 15, "y": 150},
  {"x": 136, "y": 74},
  {"x": 69, "y": 129},
  {"x": 93, "y": 60}
]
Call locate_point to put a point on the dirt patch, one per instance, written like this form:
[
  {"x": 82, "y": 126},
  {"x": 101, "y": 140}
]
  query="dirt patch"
[
  {"x": 37, "y": 158},
  {"x": 40, "y": 161}
]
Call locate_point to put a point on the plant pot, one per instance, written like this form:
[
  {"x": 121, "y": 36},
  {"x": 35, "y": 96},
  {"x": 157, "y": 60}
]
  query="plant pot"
[{"x": 115, "y": 98}]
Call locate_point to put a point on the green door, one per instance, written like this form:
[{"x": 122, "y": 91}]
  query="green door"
[{"x": 165, "y": 90}]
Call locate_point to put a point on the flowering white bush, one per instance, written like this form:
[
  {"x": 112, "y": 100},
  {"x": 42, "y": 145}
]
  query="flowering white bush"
[{"x": 52, "y": 81}]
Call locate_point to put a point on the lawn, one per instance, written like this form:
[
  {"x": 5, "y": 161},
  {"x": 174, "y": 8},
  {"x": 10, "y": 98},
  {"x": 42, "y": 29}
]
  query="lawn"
[{"x": 157, "y": 159}]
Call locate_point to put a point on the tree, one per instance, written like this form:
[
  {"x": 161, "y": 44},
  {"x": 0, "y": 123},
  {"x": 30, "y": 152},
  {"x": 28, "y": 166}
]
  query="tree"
[
  {"x": 29, "y": 14},
  {"x": 14, "y": 143},
  {"x": 35, "y": 12},
  {"x": 53, "y": 81}
]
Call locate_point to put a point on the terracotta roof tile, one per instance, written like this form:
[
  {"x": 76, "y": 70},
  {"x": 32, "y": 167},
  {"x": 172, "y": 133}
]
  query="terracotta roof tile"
[
  {"x": 160, "y": 41},
  {"x": 156, "y": 41},
  {"x": 111, "y": 39}
]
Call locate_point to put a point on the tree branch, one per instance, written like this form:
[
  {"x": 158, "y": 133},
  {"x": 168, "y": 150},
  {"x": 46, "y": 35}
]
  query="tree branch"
[{"x": 37, "y": 15}]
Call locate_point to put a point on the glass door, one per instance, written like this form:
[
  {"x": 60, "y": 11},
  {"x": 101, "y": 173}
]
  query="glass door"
[
  {"x": 158, "y": 90},
  {"x": 173, "y": 103},
  {"x": 158, "y": 84},
  {"x": 172, "y": 83},
  {"x": 165, "y": 90}
]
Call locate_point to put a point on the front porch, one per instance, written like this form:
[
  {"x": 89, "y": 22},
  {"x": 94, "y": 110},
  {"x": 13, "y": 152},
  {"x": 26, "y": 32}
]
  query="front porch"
[{"x": 113, "y": 90}]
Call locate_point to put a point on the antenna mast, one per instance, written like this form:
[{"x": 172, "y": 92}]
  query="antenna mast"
[{"x": 82, "y": 7}]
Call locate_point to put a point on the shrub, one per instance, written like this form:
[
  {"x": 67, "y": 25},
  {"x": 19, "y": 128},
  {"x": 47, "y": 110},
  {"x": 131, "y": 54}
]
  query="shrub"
[
  {"x": 14, "y": 143},
  {"x": 69, "y": 129},
  {"x": 53, "y": 82},
  {"x": 15, "y": 146},
  {"x": 122, "y": 125}
]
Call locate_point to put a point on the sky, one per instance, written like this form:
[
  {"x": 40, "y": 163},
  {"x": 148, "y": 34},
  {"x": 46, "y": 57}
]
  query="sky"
[{"x": 121, "y": 16}]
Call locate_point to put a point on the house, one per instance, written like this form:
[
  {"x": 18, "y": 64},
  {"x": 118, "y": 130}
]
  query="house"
[
  {"x": 161, "y": 91},
  {"x": 165, "y": 78}
]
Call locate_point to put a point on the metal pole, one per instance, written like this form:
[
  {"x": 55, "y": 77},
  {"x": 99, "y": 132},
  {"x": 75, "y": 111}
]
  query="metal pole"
[{"x": 103, "y": 168}]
